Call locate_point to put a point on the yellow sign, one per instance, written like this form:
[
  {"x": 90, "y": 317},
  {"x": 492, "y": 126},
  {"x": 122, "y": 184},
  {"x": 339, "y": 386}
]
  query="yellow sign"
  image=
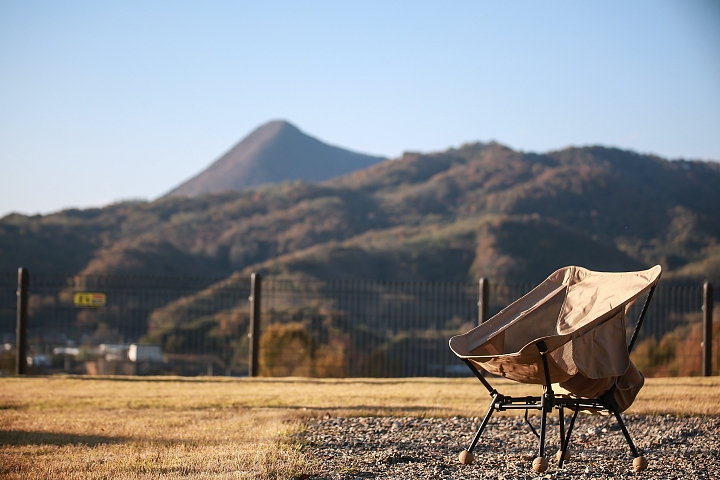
[{"x": 87, "y": 299}]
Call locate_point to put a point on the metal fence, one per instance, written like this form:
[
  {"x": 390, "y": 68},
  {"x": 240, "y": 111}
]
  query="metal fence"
[
  {"x": 200, "y": 326},
  {"x": 142, "y": 325},
  {"x": 670, "y": 342},
  {"x": 364, "y": 328}
]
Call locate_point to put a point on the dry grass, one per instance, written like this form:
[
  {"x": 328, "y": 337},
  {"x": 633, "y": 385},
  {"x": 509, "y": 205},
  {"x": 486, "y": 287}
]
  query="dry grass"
[
  {"x": 81, "y": 427},
  {"x": 78, "y": 428}
]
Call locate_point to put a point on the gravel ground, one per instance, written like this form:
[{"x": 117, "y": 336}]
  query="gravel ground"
[{"x": 427, "y": 448}]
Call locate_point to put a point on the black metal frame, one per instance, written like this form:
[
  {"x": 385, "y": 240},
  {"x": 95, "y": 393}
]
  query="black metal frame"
[{"x": 547, "y": 401}]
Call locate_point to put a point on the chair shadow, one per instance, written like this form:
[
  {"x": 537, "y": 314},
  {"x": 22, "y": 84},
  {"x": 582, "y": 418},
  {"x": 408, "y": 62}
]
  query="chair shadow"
[{"x": 30, "y": 437}]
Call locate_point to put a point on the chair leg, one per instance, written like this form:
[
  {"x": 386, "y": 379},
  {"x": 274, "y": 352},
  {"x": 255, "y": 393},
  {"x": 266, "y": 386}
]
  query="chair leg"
[
  {"x": 543, "y": 423},
  {"x": 527, "y": 421},
  {"x": 562, "y": 452},
  {"x": 626, "y": 433},
  {"x": 466, "y": 456},
  {"x": 565, "y": 443},
  {"x": 639, "y": 462},
  {"x": 540, "y": 464}
]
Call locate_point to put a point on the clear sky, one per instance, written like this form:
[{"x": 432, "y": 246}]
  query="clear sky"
[{"x": 111, "y": 100}]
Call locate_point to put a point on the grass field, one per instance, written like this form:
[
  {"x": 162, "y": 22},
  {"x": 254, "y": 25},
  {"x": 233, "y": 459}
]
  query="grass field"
[{"x": 134, "y": 427}]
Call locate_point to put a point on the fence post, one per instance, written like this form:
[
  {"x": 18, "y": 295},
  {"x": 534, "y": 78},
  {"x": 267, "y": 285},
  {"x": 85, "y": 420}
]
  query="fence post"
[
  {"x": 255, "y": 299},
  {"x": 21, "y": 330},
  {"x": 707, "y": 329},
  {"x": 483, "y": 301}
]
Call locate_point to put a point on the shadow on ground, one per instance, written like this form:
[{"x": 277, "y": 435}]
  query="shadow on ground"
[{"x": 29, "y": 437}]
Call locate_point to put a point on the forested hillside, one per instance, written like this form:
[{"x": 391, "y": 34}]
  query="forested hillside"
[{"x": 479, "y": 210}]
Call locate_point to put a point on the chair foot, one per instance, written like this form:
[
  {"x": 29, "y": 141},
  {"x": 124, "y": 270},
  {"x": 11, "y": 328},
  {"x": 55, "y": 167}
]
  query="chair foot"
[
  {"x": 567, "y": 455},
  {"x": 639, "y": 464},
  {"x": 540, "y": 464},
  {"x": 466, "y": 458}
]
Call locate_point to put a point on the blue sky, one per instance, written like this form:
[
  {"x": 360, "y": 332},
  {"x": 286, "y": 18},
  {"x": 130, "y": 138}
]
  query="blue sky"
[{"x": 104, "y": 101}]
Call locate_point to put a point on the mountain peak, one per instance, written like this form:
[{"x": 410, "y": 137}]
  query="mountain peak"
[
  {"x": 275, "y": 127},
  {"x": 274, "y": 152}
]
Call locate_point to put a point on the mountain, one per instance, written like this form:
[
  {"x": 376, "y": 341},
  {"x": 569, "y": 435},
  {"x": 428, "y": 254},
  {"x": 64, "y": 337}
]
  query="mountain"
[
  {"x": 486, "y": 210},
  {"x": 274, "y": 152},
  {"x": 478, "y": 210}
]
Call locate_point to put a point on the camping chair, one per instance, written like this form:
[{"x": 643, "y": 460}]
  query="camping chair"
[{"x": 570, "y": 330}]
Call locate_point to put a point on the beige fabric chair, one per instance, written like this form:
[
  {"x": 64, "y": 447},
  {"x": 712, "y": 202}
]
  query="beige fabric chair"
[{"x": 569, "y": 330}]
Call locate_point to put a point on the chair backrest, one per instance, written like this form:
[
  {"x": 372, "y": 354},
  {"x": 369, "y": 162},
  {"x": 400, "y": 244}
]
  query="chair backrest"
[
  {"x": 592, "y": 295},
  {"x": 569, "y": 302}
]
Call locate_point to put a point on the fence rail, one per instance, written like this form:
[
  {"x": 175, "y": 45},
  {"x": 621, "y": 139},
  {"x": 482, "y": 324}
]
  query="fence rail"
[{"x": 334, "y": 328}]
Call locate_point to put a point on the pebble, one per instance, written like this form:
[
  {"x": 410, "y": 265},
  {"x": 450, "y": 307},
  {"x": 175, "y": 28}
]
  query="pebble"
[{"x": 421, "y": 448}]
